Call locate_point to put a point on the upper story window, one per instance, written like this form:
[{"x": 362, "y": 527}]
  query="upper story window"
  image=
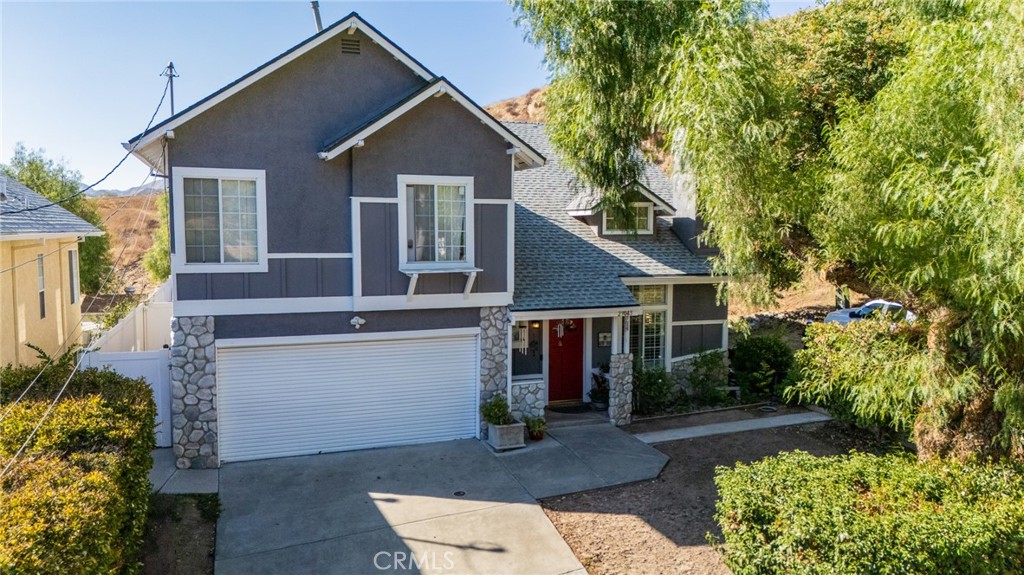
[
  {"x": 436, "y": 226},
  {"x": 643, "y": 220},
  {"x": 41, "y": 281},
  {"x": 222, "y": 221}
]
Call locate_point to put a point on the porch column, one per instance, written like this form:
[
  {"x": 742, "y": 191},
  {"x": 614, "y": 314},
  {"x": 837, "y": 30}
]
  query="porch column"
[{"x": 620, "y": 392}]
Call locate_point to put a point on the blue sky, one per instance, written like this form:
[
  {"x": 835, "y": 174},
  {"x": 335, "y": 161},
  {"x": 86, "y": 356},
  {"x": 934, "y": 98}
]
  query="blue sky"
[{"x": 79, "y": 78}]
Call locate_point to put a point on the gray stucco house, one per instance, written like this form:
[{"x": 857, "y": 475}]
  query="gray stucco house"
[{"x": 361, "y": 255}]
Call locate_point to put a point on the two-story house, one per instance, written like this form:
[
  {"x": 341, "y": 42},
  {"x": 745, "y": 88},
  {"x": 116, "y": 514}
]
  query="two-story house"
[
  {"x": 40, "y": 299},
  {"x": 361, "y": 255}
]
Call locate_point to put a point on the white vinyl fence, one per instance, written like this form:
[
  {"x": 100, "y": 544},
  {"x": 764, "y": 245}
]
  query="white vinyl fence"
[{"x": 154, "y": 366}]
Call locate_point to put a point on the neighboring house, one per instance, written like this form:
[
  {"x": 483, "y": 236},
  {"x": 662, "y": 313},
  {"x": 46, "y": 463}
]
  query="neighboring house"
[
  {"x": 361, "y": 255},
  {"x": 40, "y": 300}
]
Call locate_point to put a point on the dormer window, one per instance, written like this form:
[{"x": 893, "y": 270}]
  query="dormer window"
[{"x": 643, "y": 220}]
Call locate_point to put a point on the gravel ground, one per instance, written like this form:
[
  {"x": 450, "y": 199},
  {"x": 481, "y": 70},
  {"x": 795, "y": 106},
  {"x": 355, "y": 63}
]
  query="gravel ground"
[{"x": 661, "y": 525}]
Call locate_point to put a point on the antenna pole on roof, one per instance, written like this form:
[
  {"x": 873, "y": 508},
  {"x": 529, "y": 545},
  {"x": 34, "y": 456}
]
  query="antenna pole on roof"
[
  {"x": 316, "y": 16},
  {"x": 171, "y": 74}
]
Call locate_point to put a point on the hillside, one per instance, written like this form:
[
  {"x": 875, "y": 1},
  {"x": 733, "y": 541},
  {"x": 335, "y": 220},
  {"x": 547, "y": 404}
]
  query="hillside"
[
  {"x": 131, "y": 228},
  {"x": 526, "y": 108}
]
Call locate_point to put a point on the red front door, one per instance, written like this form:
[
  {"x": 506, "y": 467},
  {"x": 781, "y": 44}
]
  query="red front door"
[{"x": 565, "y": 360}]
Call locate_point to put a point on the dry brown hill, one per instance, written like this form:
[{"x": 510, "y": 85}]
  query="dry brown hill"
[
  {"x": 526, "y": 108},
  {"x": 131, "y": 229}
]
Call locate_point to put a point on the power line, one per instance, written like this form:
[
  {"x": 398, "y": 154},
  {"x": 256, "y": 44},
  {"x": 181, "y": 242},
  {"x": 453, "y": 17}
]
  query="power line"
[
  {"x": 106, "y": 280},
  {"x": 107, "y": 175},
  {"x": 81, "y": 319}
]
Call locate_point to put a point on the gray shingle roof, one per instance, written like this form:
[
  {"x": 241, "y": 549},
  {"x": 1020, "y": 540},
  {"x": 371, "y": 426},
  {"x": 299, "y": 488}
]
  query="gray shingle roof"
[
  {"x": 561, "y": 263},
  {"x": 48, "y": 220}
]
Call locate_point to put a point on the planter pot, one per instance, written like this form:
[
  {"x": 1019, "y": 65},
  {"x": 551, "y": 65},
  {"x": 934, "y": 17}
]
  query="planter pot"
[
  {"x": 536, "y": 435},
  {"x": 502, "y": 437},
  {"x": 599, "y": 405}
]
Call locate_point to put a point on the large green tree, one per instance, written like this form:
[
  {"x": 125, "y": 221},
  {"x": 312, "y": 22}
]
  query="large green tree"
[
  {"x": 879, "y": 142},
  {"x": 56, "y": 181},
  {"x": 158, "y": 257}
]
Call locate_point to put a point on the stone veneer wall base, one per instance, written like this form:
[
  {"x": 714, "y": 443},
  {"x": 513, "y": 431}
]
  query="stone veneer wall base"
[
  {"x": 620, "y": 392},
  {"x": 194, "y": 393},
  {"x": 494, "y": 322}
]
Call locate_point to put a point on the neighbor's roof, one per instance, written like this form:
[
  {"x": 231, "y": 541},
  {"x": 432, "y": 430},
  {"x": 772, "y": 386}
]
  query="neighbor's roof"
[
  {"x": 48, "y": 221},
  {"x": 560, "y": 263}
]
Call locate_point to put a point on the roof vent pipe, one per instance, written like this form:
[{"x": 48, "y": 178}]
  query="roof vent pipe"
[{"x": 316, "y": 16}]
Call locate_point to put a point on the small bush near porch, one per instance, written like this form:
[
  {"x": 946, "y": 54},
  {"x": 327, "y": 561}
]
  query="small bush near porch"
[{"x": 864, "y": 514}]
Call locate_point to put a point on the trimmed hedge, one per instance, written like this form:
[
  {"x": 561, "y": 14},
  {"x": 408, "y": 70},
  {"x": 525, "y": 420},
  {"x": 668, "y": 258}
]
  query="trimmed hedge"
[
  {"x": 77, "y": 499},
  {"x": 864, "y": 514}
]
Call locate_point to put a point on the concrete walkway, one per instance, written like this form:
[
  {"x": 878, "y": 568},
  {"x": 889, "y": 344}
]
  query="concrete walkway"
[
  {"x": 579, "y": 458},
  {"x": 452, "y": 506},
  {"x": 165, "y": 477},
  {"x": 731, "y": 427}
]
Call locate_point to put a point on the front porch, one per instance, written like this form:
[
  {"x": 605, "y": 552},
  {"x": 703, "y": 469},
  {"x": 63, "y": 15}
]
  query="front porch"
[{"x": 572, "y": 358}]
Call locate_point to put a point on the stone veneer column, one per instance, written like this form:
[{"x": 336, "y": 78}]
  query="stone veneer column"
[
  {"x": 527, "y": 399},
  {"x": 493, "y": 355},
  {"x": 194, "y": 393},
  {"x": 620, "y": 393}
]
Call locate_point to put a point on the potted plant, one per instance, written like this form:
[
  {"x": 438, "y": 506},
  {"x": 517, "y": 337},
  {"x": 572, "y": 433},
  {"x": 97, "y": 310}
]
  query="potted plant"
[
  {"x": 599, "y": 392},
  {"x": 503, "y": 431},
  {"x": 536, "y": 426}
]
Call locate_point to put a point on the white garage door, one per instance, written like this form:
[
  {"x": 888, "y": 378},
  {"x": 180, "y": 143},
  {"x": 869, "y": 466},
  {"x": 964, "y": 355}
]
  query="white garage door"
[{"x": 275, "y": 401}]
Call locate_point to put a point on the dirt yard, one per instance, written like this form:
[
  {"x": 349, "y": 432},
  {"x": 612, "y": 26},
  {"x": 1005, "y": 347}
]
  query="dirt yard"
[
  {"x": 180, "y": 535},
  {"x": 661, "y": 525},
  {"x": 131, "y": 229}
]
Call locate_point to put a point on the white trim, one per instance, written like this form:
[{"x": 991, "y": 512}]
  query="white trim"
[
  {"x": 545, "y": 341},
  {"x": 527, "y": 379},
  {"x": 668, "y": 328},
  {"x": 406, "y": 180},
  {"x": 262, "y": 306},
  {"x": 672, "y": 280},
  {"x": 524, "y": 153},
  {"x": 310, "y": 256},
  {"x": 375, "y": 200},
  {"x": 699, "y": 322},
  {"x": 495, "y": 201},
  {"x": 649, "y": 230},
  {"x": 676, "y": 360},
  {"x": 357, "y": 248},
  {"x": 588, "y": 352},
  {"x": 471, "y": 279},
  {"x": 178, "y": 263},
  {"x": 510, "y": 234},
  {"x": 508, "y": 362},
  {"x": 242, "y": 83},
  {"x": 453, "y": 300},
  {"x": 46, "y": 236},
  {"x": 228, "y": 343},
  {"x": 564, "y": 313}
]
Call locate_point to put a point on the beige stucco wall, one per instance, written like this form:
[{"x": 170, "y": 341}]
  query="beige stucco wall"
[{"x": 19, "y": 299}]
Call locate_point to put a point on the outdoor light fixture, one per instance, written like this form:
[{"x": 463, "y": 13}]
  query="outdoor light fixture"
[
  {"x": 357, "y": 322},
  {"x": 535, "y": 324}
]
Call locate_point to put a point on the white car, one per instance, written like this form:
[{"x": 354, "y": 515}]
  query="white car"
[{"x": 875, "y": 307}]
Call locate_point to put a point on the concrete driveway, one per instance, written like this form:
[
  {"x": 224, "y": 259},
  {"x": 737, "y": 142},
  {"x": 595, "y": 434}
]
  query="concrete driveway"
[{"x": 447, "y": 508}]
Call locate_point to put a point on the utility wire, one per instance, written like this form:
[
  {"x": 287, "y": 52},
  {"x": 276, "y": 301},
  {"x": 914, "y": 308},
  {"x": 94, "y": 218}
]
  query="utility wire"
[
  {"x": 106, "y": 280},
  {"x": 107, "y": 175}
]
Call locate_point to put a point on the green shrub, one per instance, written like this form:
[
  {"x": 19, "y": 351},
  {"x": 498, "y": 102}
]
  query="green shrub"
[
  {"x": 867, "y": 515},
  {"x": 77, "y": 499},
  {"x": 708, "y": 375},
  {"x": 653, "y": 389},
  {"x": 496, "y": 411},
  {"x": 761, "y": 363}
]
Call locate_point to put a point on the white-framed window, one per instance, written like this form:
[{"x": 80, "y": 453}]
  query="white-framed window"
[
  {"x": 643, "y": 222},
  {"x": 647, "y": 330},
  {"x": 74, "y": 287},
  {"x": 41, "y": 281},
  {"x": 220, "y": 220},
  {"x": 435, "y": 222}
]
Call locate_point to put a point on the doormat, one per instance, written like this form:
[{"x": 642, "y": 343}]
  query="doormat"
[{"x": 571, "y": 408}]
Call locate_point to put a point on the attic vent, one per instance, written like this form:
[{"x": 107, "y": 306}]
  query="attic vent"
[{"x": 349, "y": 46}]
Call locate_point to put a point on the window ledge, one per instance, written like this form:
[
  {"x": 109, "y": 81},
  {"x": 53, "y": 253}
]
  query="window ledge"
[{"x": 409, "y": 271}]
